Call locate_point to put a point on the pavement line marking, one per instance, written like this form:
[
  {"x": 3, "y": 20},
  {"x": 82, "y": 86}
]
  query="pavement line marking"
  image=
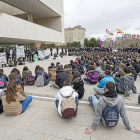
[{"x": 47, "y": 98}]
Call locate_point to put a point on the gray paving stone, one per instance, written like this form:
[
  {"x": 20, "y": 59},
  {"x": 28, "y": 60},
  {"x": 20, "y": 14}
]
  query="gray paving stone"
[
  {"x": 85, "y": 120},
  {"x": 53, "y": 138},
  {"x": 73, "y": 132},
  {"x": 46, "y": 127},
  {"x": 24, "y": 123}
]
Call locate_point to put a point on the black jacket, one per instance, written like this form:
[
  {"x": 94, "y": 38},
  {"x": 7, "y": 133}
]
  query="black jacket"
[
  {"x": 78, "y": 86},
  {"x": 60, "y": 78},
  {"x": 136, "y": 66}
]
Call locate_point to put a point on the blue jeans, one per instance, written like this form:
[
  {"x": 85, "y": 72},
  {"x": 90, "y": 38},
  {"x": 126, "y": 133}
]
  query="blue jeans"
[
  {"x": 30, "y": 58},
  {"x": 47, "y": 81},
  {"x": 91, "y": 83},
  {"x": 76, "y": 101},
  {"x": 25, "y": 103},
  {"x": 94, "y": 101}
]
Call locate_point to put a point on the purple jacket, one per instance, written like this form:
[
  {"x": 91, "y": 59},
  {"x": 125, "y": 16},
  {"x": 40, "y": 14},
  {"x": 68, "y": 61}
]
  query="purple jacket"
[
  {"x": 92, "y": 76},
  {"x": 45, "y": 75}
]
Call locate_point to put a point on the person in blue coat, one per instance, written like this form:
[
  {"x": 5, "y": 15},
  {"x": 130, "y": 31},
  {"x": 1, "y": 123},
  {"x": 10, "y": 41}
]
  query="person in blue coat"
[{"x": 101, "y": 86}]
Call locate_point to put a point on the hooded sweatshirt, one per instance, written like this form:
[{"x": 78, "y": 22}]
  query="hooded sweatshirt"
[
  {"x": 103, "y": 101},
  {"x": 65, "y": 91}
]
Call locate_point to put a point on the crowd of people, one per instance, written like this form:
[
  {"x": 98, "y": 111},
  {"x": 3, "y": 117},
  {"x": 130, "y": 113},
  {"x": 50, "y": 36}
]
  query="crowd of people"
[{"x": 114, "y": 73}]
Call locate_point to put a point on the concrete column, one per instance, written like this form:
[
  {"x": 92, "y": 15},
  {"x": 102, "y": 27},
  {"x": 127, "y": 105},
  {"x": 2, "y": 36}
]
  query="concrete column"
[
  {"x": 30, "y": 17},
  {"x": 42, "y": 46},
  {"x": 32, "y": 45}
]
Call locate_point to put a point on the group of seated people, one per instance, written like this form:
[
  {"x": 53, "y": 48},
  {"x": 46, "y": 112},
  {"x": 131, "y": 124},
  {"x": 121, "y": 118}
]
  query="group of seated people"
[{"x": 111, "y": 78}]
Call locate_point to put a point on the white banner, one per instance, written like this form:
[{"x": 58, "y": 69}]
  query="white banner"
[
  {"x": 20, "y": 51},
  {"x": 3, "y": 58},
  {"x": 47, "y": 52},
  {"x": 40, "y": 54}
]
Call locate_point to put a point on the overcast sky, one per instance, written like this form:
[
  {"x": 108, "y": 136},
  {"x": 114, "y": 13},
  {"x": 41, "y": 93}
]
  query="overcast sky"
[{"x": 98, "y": 15}]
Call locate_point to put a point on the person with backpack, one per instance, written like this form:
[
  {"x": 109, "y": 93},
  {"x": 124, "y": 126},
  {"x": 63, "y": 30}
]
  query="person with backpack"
[
  {"x": 67, "y": 101},
  {"x": 100, "y": 89},
  {"x": 126, "y": 83},
  {"x": 17, "y": 74},
  {"x": 42, "y": 78},
  {"x": 78, "y": 84},
  {"x": 3, "y": 79},
  {"x": 13, "y": 102},
  {"x": 27, "y": 77},
  {"x": 92, "y": 77},
  {"x": 112, "y": 102},
  {"x": 60, "y": 77}
]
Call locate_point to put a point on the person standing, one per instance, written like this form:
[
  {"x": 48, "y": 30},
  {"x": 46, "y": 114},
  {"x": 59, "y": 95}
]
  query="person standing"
[
  {"x": 57, "y": 49},
  {"x": 14, "y": 56},
  {"x": 51, "y": 50},
  {"x": 7, "y": 54}
]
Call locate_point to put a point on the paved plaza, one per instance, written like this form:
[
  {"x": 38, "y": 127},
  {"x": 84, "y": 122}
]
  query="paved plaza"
[{"x": 41, "y": 120}]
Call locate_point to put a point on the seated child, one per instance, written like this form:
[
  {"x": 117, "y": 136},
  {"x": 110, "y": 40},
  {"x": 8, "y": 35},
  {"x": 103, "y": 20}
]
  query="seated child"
[
  {"x": 66, "y": 91},
  {"x": 10, "y": 62},
  {"x": 20, "y": 61},
  {"x": 13, "y": 102},
  {"x": 92, "y": 77},
  {"x": 112, "y": 102}
]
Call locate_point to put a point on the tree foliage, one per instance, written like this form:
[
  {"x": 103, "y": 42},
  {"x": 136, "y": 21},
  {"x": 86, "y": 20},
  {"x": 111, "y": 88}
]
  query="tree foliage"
[
  {"x": 74, "y": 44},
  {"x": 91, "y": 43}
]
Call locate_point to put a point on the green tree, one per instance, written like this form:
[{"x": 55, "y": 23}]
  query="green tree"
[{"x": 86, "y": 42}]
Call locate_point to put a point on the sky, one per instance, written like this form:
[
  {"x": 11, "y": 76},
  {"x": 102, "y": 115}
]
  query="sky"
[{"x": 98, "y": 15}]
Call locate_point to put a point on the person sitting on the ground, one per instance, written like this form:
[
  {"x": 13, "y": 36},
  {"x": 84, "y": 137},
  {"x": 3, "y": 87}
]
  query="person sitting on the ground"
[
  {"x": 65, "y": 91},
  {"x": 74, "y": 68},
  {"x": 133, "y": 71},
  {"x": 82, "y": 67},
  {"x": 52, "y": 73},
  {"x": 78, "y": 84},
  {"x": 10, "y": 62},
  {"x": 120, "y": 72},
  {"x": 20, "y": 86},
  {"x": 98, "y": 69},
  {"x": 25, "y": 74},
  {"x": 101, "y": 86},
  {"x": 13, "y": 102},
  {"x": 3, "y": 79},
  {"x": 20, "y": 61},
  {"x": 45, "y": 76},
  {"x": 92, "y": 77},
  {"x": 55, "y": 55},
  {"x": 37, "y": 68},
  {"x": 52, "y": 66},
  {"x": 136, "y": 65},
  {"x": 17, "y": 74},
  {"x": 112, "y": 102},
  {"x": 126, "y": 83},
  {"x": 68, "y": 72},
  {"x": 60, "y": 78}
]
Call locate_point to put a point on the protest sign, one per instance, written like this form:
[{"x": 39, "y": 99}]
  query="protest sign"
[
  {"x": 3, "y": 58},
  {"x": 20, "y": 51}
]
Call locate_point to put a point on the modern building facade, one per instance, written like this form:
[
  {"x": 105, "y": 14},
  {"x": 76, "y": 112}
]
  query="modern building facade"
[
  {"x": 31, "y": 21},
  {"x": 76, "y": 34}
]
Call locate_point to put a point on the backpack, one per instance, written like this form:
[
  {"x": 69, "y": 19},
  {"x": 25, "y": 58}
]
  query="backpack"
[
  {"x": 111, "y": 115},
  {"x": 68, "y": 107},
  {"x": 93, "y": 76},
  {"x": 40, "y": 80},
  {"x": 30, "y": 79},
  {"x": 3, "y": 83}
]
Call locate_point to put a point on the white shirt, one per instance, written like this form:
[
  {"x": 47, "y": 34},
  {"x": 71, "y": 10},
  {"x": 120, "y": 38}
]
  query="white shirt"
[{"x": 65, "y": 91}]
